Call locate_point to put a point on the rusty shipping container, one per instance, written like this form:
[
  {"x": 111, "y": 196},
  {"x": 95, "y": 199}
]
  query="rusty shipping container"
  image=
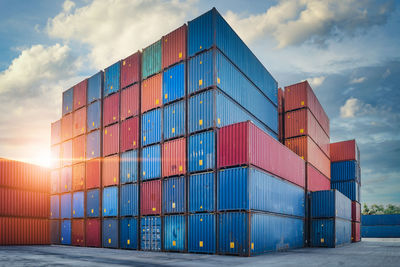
[
  {"x": 130, "y": 101},
  {"x": 78, "y": 232},
  {"x": 24, "y": 231},
  {"x": 66, "y": 127},
  {"x": 111, "y": 109},
  {"x": 151, "y": 93},
  {"x": 110, "y": 171},
  {"x": 78, "y": 149},
  {"x": 93, "y": 169},
  {"x": 316, "y": 181},
  {"x": 80, "y": 92},
  {"x": 174, "y": 157},
  {"x": 150, "y": 197},
  {"x": 111, "y": 140},
  {"x": 130, "y": 70},
  {"x": 79, "y": 124},
  {"x": 130, "y": 134},
  {"x": 345, "y": 150},
  {"x": 78, "y": 177},
  {"x": 174, "y": 46}
]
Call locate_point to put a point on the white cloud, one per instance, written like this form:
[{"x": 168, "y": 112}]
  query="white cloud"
[
  {"x": 68, "y": 5},
  {"x": 357, "y": 80},
  {"x": 349, "y": 109},
  {"x": 316, "y": 81}
]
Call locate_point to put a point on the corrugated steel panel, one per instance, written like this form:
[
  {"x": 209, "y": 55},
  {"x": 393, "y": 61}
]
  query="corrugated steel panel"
[
  {"x": 93, "y": 168},
  {"x": 281, "y": 100},
  {"x": 316, "y": 181},
  {"x": 93, "y": 145},
  {"x": 110, "y": 174},
  {"x": 110, "y": 233},
  {"x": 111, "y": 109},
  {"x": 355, "y": 211},
  {"x": 129, "y": 200},
  {"x": 330, "y": 203},
  {"x": 202, "y": 151},
  {"x": 55, "y": 179},
  {"x": 67, "y": 101},
  {"x": 78, "y": 233},
  {"x": 80, "y": 91},
  {"x": 56, "y": 132},
  {"x": 130, "y": 70},
  {"x": 150, "y": 197},
  {"x": 54, "y": 207},
  {"x": 54, "y": 231},
  {"x": 130, "y": 134},
  {"x": 129, "y": 233},
  {"x": 380, "y": 231},
  {"x": 66, "y": 179},
  {"x": 56, "y": 160},
  {"x": 150, "y": 227},
  {"x": 174, "y": 157},
  {"x": 151, "y": 127},
  {"x": 151, "y": 59},
  {"x": 111, "y": 140},
  {"x": 174, "y": 195},
  {"x": 66, "y": 206},
  {"x": 174, "y": 46},
  {"x": 174, "y": 120},
  {"x": 78, "y": 177},
  {"x": 129, "y": 166},
  {"x": 93, "y": 233},
  {"x": 93, "y": 116},
  {"x": 111, "y": 79},
  {"x": 66, "y": 232},
  {"x": 78, "y": 149},
  {"x": 355, "y": 232},
  {"x": 95, "y": 87},
  {"x": 78, "y": 204},
  {"x": 345, "y": 171},
  {"x": 150, "y": 165},
  {"x": 202, "y": 192},
  {"x": 151, "y": 93},
  {"x": 110, "y": 201},
  {"x": 24, "y": 231},
  {"x": 93, "y": 203},
  {"x": 202, "y": 235},
  {"x": 330, "y": 232},
  {"x": 130, "y": 101},
  {"x": 384, "y": 219},
  {"x": 345, "y": 150},
  {"x": 66, "y": 127},
  {"x": 174, "y": 233},
  {"x": 350, "y": 189},
  {"x": 173, "y": 80}
]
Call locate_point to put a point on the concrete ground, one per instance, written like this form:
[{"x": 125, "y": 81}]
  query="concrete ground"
[{"x": 369, "y": 252}]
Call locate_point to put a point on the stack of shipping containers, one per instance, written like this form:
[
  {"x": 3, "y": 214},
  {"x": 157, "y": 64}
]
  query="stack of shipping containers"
[{"x": 381, "y": 226}]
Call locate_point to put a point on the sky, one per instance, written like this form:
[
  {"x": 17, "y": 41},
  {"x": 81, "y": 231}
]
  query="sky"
[{"x": 348, "y": 50}]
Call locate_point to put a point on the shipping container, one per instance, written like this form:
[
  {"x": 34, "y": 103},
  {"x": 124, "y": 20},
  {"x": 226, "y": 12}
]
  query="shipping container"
[
  {"x": 202, "y": 151},
  {"x": 130, "y": 134},
  {"x": 66, "y": 232},
  {"x": 129, "y": 233},
  {"x": 151, "y": 59},
  {"x": 345, "y": 171},
  {"x": 79, "y": 124},
  {"x": 151, "y": 93},
  {"x": 111, "y": 140},
  {"x": 54, "y": 231},
  {"x": 78, "y": 149},
  {"x": 355, "y": 232},
  {"x": 150, "y": 197},
  {"x": 66, "y": 127},
  {"x": 380, "y": 231},
  {"x": 383, "y": 219},
  {"x": 66, "y": 179},
  {"x": 331, "y": 232},
  {"x": 173, "y": 83},
  {"x": 174, "y": 120},
  {"x": 93, "y": 203},
  {"x": 111, "y": 109},
  {"x": 93, "y": 145},
  {"x": 24, "y": 231},
  {"x": 174, "y": 233},
  {"x": 78, "y": 204},
  {"x": 94, "y": 116},
  {"x": 110, "y": 171},
  {"x": 350, "y": 189},
  {"x": 174, "y": 195},
  {"x": 202, "y": 233},
  {"x": 150, "y": 164},
  {"x": 95, "y": 87},
  {"x": 93, "y": 169},
  {"x": 67, "y": 101},
  {"x": 110, "y": 201},
  {"x": 151, "y": 127},
  {"x": 54, "y": 207},
  {"x": 56, "y": 157},
  {"x": 130, "y": 70},
  {"x": 345, "y": 150},
  {"x": 55, "y": 179},
  {"x": 355, "y": 211},
  {"x": 110, "y": 233},
  {"x": 66, "y": 206},
  {"x": 80, "y": 91},
  {"x": 130, "y": 101},
  {"x": 129, "y": 200},
  {"x": 78, "y": 177},
  {"x": 129, "y": 166},
  {"x": 93, "y": 233},
  {"x": 111, "y": 79},
  {"x": 201, "y": 192},
  {"x": 174, "y": 46},
  {"x": 174, "y": 157},
  {"x": 330, "y": 203},
  {"x": 150, "y": 229},
  {"x": 56, "y": 132},
  {"x": 316, "y": 181},
  {"x": 78, "y": 233}
]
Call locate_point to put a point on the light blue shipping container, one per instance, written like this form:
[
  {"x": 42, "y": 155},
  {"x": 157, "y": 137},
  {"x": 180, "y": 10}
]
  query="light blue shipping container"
[
  {"x": 150, "y": 227},
  {"x": 380, "y": 231},
  {"x": 268, "y": 233},
  {"x": 110, "y": 201},
  {"x": 129, "y": 166},
  {"x": 151, "y": 127},
  {"x": 174, "y": 83},
  {"x": 110, "y": 233},
  {"x": 151, "y": 59},
  {"x": 66, "y": 152},
  {"x": 151, "y": 162},
  {"x": 383, "y": 219},
  {"x": 67, "y": 101},
  {"x": 174, "y": 232},
  {"x": 345, "y": 171},
  {"x": 174, "y": 197},
  {"x": 129, "y": 233},
  {"x": 350, "y": 189},
  {"x": 247, "y": 188},
  {"x": 331, "y": 232},
  {"x": 202, "y": 234},
  {"x": 202, "y": 192},
  {"x": 202, "y": 151},
  {"x": 66, "y": 206},
  {"x": 93, "y": 145},
  {"x": 66, "y": 179},
  {"x": 78, "y": 205},
  {"x": 174, "y": 120},
  {"x": 95, "y": 87},
  {"x": 55, "y": 207},
  {"x": 66, "y": 232},
  {"x": 330, "y": 203},
  {"x": 129, "y": 200},
  {"x": 93, "y": 203},
  {"x": 93, "y": 121},
  {"x": 111, "y": 79}
]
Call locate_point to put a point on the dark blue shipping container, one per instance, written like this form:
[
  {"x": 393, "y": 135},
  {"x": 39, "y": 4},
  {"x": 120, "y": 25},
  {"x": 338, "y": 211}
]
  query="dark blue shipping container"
[
  {"x": 174, "y": 120},
  {"x": 94, "y": 116},
  {"x": 330, "y": 232},
  {"x": 93, "y": 145},
  {"x": 202, "y": 234},
  {"x": 54, "y": 231},
  {"x": 110, "y": 201},
  {"x": 174, "y": 232},
  {"x": 95, "y": 87},
  {"x": 110, "y": 233},
  {"x": 66, "y": 206},
  {"x": 129, "y": 233},
  {"x": 150, "y": 227},
  {"x": 174, "y": 83},
  {"x": 151, "y": 127},
  {"x": 247, "y": 188},
  {"x": 66, "y": 179},
  {"x": 129, "y": 200},
  {"x": 78, "y": 205},
  {"x": 129, "y": 166},
  {"x": 93, "y": 203},
  {"x": 350, "y": 189},
  {"x": 202, "y": 192},
  {"x": 380, "y": 231},
  {"x": 174, "y": 195},
  {"x": 330, "y": 203},
  {"x": 151, "y": 162},
  {"x": 268, "y": 232},
  {"x": 202, "y": 151},
  {"x": 345, "y": 171},
  {"x": 384, "y": 219},
  {"x": 67, "y": 101},
  {"x": 66, "y": 232},
  {"x": 111, "y": 79}
]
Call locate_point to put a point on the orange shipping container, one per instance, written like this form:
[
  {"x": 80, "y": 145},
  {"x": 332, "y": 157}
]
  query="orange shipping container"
[
  {"x": 151, "y": 93},
  {"x": 174, "y": 157},
  {"x": 174, "y": 46},
  {"x": 78, "y": 149},
  {"x": 78, "y": 177},
  {"x": 79, "y": 122},
  {"x": 110, "y": 171},
  {"x": 66, "y": 127}
]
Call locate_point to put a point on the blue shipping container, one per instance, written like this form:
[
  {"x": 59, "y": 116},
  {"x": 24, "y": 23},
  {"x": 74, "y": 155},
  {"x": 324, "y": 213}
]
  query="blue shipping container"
[
  {"x": 94, "y": 116},
  {"x": 66, "y": 206},
  {"x": 202, "y": 192},
  {"x": 345, "y": 171},
  {"x": 174, "y": 120},
  {"x": 384, "y": 219},
  {"x": 150, "y": 227},
  {"x": 151, "y": 60},
  {"x": 54, "y": 207},
  {"x": 350, "y": 189},
  {"x": 110, "y": 201},
  {"x": 380, "y": 231},
  {"x": 66, "y": 232},
  {"x": 129, "y": 233},
  {"x": 151, "y": 162},
  {"x": 330, "y": 232},
  {"x": 54, "y": 231},
  {"x": 129, "y": 200},
  {"x": 174, "y": 83},
  {"x": 174, "y": 232},
  {"x": 110, "y": 233},
  {"x": 330, "y": 203},
  {"x": 151, "y": 127},
  {"x": 111, "y": 79},
  {"x": 66, "y": 179},
  {"x": 78, "y": 205},
  {"x": 67, "y": 101},
  {"x": 202, "y": 234},
  {"x": 129, "y": 166},
  {"x": 93, "y": 145},
  {"x": 95, "y": 87},
  {"x": 202, "y": 151},
  {"x": 247, "y": 188},
  {"x": 93, "y": 203},
  {"x": 174, "y": 197}
]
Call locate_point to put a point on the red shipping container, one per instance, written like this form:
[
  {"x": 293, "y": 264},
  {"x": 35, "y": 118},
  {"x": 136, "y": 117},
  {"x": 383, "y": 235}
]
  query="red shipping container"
[
  {"x": 111, "y": 109},
  {"x": 93, "y": 233},
  {"x": 110, "y": 170},
  {"x": 281, "y": 128},
  {"x": 301, "y": 95},
  {"x": 56, "y": 132},
  {"x": 130, "y": 101},
  {"x": 111, "y": 140},
  {"x": 174, "y": 157},
  {"x": 316, "y": 181},
  {"x": 93, "y": 170},
  {"x": 79, "y": 122},
  {"x": 345, "y": 150},
  {"x": 24, "y": 231},
  {"x": 302, "y": 122},
  {"x": 244, "y": 143},
  {"x": 355, "y": 232},
  {"x": 66, "y": 127},
  {"x": 78, "y": 149},
  {"x": 306, "y": 148},
  {"x": 130, "y": 134},
  {"x": 78, "y": 232},
  {"x": 281, "y": 101},
  {"x": 150, "y": 197},
  {"x": 80, "y": 94},
  {"x": 355, "y": 211},
  {"x": 78, "y": 177},
  {"x": 151, "y": 93},
  {"x": 130, "y": 70},
  {"x": 174, "y": 46}
]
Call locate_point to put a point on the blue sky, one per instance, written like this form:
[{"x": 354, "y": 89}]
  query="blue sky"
[{"x": 348, "y": 50}]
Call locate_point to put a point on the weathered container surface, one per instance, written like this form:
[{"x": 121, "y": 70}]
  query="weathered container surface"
[
  {"x": 78, "y": 232},
  {"x": 67, "y": 101},
  {"x": 79, "y": 122},
  {"x": 151, "y": 93},
  {"x": 174, "y": 233},
  {"x": 330, "y": 203},
  {"x": 130, "y": 70},
  {"x": 111, "y": 109},
  {"x": 384, "y": 219},
  {"x": 306, "y": 148},
  {"x": 66, "y": 127},
  {"x": 345, "y": 150},
  {"x": 55, "y": 178},
  {"x": 110, "y": 201},
  {"x": 281, "y": 100},
  {"x": 56, "y": 157},
  {"x": 54, "y": 207},
  {"x": 130, "y": 134},
  {"x": 93, "y": 169},
  {"x": 78, "y": 204},
  {"x": 111, "y": 140},
  {"x": 301, "y": 95},
  {"x": 173, "y": 83},
  {"x": 129, "y": 166},
  {"x": 345, "y": 171},
  {"x": 174, "y": 120},
  {"x": 242, "y": 233},
  {"x": 66, "y": 179},
  {"x": 129, "y": 233},
  {"x": 110, "y": 233},
  {"x": 380, "y": 231},
  {"x": 95, "y": 87},
  {"x": 151, "y": 59},
  {"x": 78, "y": 177},
  {"x": 355, "y": 211},
  {"x": 54, "y": 231},
  {"x": 151, "y": 127},
  {"x": 202, "y": 192},
  {"x": 24, "y": 231},
  {"x": 130, "y": 101},
  {"x": 150, "y": 227},
  {"x": 78, "y": 149},
  {"x": 316, "y": 181},
  {"x": 129, "y": 204},
  {"x": 93, "y": 121},
  {"x": 110, "y": 174},
  {"x": 111, "y": 79},
  {"x": 174, "y": 157},
  {"x": 281, "y": 128},
  {"x": 93, "y": 203},
  {"x": 202, "y": 233},
  {"x": 80, "y": 91},
  {"x": 66, "y": 232},
  {"x": 65, "y": 206},
  {"x": 174, "y": 46},
  {"x": 174, "y": 195},
  {"x": 93, "y": 145},
  {"x": 331, "y": 232},
  {"x": 150, "y": 197},
  {"x": 56, "y": 132},
  {"x": 202, "y": 151},
  {"x": 93, "y": 233},
  {"x": 150, "y": 165},
  {"x": 355, "y": 232},
  {"x": 350, "y": 189}
]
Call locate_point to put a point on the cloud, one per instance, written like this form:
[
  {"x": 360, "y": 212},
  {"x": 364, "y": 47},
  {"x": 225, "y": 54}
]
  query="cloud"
[
  {"x": 349, "y": 109},
  {"x": 316, "y": 81},
  {"x": 357, "y": 80}
]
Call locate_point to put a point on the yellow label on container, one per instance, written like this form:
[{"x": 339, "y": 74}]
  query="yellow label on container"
[
  {"x": 302, "y": 157},
  {"x": 201, "y": 219},
  {"x": 134, "y": 143},
  {"x": 109, "y": 241},
  {"x": 301, "y": 130},
  {"x": 201, "y": 207},
  {"x": 144, "y": 138},
  {"x": 201, "y": 101},
  {"x": 144, "y": 173},
  {"x": 180, "y": 168},
  {"x": 109, "y": 225},
  {"x": 288, "y": 116},
  {"x": 62, "y": 238},
  {"x": 67, "y": 107},
  {"x": 201, "y": 47},
  {"x": 65, "y": 186},
  {"x": 79, "y": 102},
  {"x": 201, "y": 62},
  {"x": 92, "y": 211},
  {"x": 105, "y": 210},
  {"x": 200, "y": 82},
  {"x": 173, "y": 130},
  {"x": 81, "y": 182},
  {"x": 174, "y": 243},
  {"x": 128, "y": 175},
  {"x": 92, "y": 152},
  {"x": 219, "y": 121},
  {"x": 115, "y": 179},
  {"x": 166, "y": 96},
  {"x": 105, "y": 131},
  {"x": 173, "y": 186},
  {"x": 302, "y": 103},
  {"x": 129, "y": 128},
  {"x": 128, "y": 241},
  {"x": 129, "y": 201},
  {"x": 114, "y": 118},
  {"x": 123, "y": 63},
  {"x": 129, "y": 111},
  {"x": 201, "y": 141},
  {"x": 201, "y": 244},
  {"x": 173, "y": 111},
  {"x": 157, "y": 101},
  {"x": 218, "y": 80},
  {"x": 73, "y": 212},
  {"x": 154, "y": 209},
  {"x": 232, "y": 245},
  {"x": 200, "y": 162},
  {"x": 129, "y": 224},
  {"x": 200, "y": 122},
  {"x": 173, "y": 205},
  {"x": 180, "y": 54},
  {"x": 322, "y": 240},
  {"x": 252, "y": 245},
  {"x": 93, "y": 123}
]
